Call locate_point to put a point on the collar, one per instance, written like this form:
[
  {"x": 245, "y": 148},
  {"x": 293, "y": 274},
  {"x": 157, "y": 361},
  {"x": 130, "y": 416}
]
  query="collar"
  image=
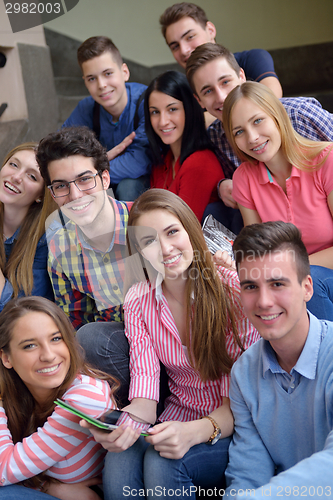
[
  {"x": 14, "y": 237},
  {"x": 307, "y": 362},
  {"x": 266, "y": 177}
]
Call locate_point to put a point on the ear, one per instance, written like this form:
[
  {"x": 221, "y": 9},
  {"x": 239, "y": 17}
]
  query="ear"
[
  {"x": 105, "y": 179},
  {"x": 126, "y": 72},
  {"x": 211, "y": 30},
  {"x": 198, "y": 99},
  {"x": 242, "y": 75},
  {"x": 307, "y": 285},
  {"x": 5, "y": 358}
]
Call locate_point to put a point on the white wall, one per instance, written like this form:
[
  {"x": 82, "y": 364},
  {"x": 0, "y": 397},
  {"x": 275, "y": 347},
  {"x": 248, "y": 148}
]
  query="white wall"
[{"x": 241, "y": 24}]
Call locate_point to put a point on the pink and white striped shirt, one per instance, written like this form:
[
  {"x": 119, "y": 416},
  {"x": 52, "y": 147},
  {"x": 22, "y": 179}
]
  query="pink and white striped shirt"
[
  {"x": 62, "y": 448},
  {"x": 153, "y": 337}
]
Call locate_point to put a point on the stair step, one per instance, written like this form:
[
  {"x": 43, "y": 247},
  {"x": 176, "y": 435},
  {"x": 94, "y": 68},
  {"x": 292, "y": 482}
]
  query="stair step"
[
  {"x": 70, "y": 86},
  {"x": 67, "y": 105}
]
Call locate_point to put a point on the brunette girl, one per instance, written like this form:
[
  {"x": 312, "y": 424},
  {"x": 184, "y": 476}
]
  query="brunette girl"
[
  {"x": 183, "y": 158},
  {"x": 43, "y": 446},
  {"x": 24, "y": 206}
]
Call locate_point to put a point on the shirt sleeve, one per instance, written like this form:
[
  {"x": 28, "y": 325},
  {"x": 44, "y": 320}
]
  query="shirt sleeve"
[
  {"x": 42, "y": 283},
  {"x": 256, "y": 63},
  {"x": 310, "y": 478},
  {"x": 247, "y": 333},
  {"x": 309, "y": 119},
  {"x": 250, "y": 464},
  {"x": 75, "y": 304},
  {"x": 136, "y": 159},
  {"x": 241, "y": 189},
  {"x": 82, "y": 114},
  {"x": 144, "y": 362},
  {"x": 59, "y": 436}
]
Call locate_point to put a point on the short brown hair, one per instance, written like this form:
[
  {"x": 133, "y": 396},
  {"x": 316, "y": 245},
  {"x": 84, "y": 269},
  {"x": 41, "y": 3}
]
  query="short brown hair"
[
  {"x": 206, "y": 53},
  {"x": 257, "y": 240},
  {"x": 179, "y": 10},
  {"x": 95, "y": 46}
]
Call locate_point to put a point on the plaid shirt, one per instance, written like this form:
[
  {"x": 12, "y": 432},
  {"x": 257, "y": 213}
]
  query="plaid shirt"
[
  {"x": 307, "y": 116},
  {"x": 88, "y": 284}
]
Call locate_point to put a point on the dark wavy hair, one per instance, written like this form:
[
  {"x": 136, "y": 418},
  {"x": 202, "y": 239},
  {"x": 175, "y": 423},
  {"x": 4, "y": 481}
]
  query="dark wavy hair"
[
  {"x": 195, "y": 137},
  {"x": 70, "y": 141}
]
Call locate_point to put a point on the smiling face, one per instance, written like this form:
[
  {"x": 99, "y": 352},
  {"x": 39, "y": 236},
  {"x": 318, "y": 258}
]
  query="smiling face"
[
  {"x": 273, "y": 298},
  {"x": 105, "y": 81},
  {"x": 256, "y": 133},
  {"x": 213, "y": 82},
  {"x": 167, "y": 117},
  {"x": 82, "y": 207},
  {"x": 38, "y": 354},
  {"x": 163, "y": 241},
  {"x": 20, "y": 180},
  {"x": 185, "y": 35}
]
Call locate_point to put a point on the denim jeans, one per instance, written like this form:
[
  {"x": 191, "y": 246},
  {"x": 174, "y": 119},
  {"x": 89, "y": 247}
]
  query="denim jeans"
[
  {"x": 106, "y": 348},
  {"x": 321, "y": 304},
  {"x": 130, "y": 189},
  {"x": 229, "y": 217},
  {"x": 17, "y": 492},
  {"x": 140, "y": 467}
]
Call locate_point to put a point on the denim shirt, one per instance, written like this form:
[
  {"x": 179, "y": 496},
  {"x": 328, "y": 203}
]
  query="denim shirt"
[{"x": 42, "y": 285}]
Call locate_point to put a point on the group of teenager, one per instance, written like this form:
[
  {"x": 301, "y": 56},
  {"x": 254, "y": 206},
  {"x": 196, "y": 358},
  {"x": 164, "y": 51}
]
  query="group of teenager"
[{"x": 121, "y": 291}]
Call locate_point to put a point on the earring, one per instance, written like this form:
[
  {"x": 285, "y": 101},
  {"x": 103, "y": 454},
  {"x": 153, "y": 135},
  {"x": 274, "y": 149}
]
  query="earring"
[{"x": 38, "y": 200}]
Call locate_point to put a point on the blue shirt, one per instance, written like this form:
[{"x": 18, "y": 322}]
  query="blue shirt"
[
  {"x": 256, "y": 63},
  {"x": 135, "y": 161},
  {"x": 307, "y": 117},
  {"x": 281, "y": 431},
  {"x": 42, "y": 285}
]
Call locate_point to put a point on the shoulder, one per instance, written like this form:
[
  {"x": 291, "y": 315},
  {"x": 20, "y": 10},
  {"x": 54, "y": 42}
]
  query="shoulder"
[
  {"x": 86, "y": 104},
  {"x": 122, "y": 207},
  {"x": 246, "y": 168},
  {"x": 249, "y": 360},
  {"x": 135, "y": 90},
  {"x": 300, "y": 103},
  {"x": 138, "y": 291},
  {"x": 203, "y": 155},
  {"x": 87, "y": 389}
]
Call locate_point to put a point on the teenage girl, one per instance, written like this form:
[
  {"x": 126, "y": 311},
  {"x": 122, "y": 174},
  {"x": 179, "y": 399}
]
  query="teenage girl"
[{"x": 183, "y": 158}]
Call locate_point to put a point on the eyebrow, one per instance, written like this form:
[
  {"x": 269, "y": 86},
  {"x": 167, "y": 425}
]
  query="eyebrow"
[
  {"x": 34, "y": 339},
  {"x": 104, "y": 70},
  {"x": 183, "y": 35},
  {"x": 271, "y": 280},
  {"x": 249, "y": 120},
  {"x": 219, "y": 79},
  {"x": 77, "y": 177}
]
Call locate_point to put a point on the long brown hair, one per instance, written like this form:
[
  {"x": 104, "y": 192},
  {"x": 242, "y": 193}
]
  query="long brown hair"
[
  {"x": 210, "y": 313},
  {"x": 298, "y": 150},
  {"x": 18, "y": 268},
  {"x": 23, "y": 413}
]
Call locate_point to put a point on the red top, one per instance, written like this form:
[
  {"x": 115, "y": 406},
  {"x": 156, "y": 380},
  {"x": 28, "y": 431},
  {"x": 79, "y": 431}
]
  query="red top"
[{"x": 195, "y": 180}]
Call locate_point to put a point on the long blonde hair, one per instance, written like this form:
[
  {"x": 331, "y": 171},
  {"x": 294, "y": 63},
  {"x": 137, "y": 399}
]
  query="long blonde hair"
[
  {"x": 298, "y": 150},
  {"x": 213, "y": 312},
  {"x": 18, "y": 268}
]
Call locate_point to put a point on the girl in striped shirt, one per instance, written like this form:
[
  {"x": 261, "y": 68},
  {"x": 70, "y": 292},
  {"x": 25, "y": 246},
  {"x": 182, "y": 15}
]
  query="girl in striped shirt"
[
  {"x": 42, "y": 446},
  {"x": 188, "y": 316}
]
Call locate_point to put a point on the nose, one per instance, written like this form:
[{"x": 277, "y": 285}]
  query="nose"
[
  {"x": 17, "y": 177},
  {"x": 165, "y": 246},
  {"x": 220, "y": 95},
  {"x": 265, "y": 300},
  {"x": 74, "y": 192},
  {"x": 101, "y": 82},
  {"x": 164, "y": 119},
  {"x": 185, "y": 49},
  {"x": 252, "y": 135},
  {"x": 46, "y": 354}
]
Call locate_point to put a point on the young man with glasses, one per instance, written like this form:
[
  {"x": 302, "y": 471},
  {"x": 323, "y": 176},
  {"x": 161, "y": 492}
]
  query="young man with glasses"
[{"x": 87, "y": 244}]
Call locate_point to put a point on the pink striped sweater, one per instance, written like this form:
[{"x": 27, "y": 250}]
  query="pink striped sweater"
[
  {"x": 61, "y": 447},
  {"x": 153, "y": 336}
]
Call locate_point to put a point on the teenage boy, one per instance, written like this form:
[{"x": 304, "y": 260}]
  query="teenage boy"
[
  {"x": 114, "y": 110},
  {"x": 185, "y": 26},
  {"x": 213, "y": 72},
  {"x": 87, "y": 244},
  {"x": 281, "y": 392}
]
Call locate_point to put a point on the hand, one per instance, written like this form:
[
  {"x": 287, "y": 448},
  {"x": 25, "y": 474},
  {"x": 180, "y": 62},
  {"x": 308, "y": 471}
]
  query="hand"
[
  {"x": 225, "y": 191},
  {"x": 120, "y": 148},
  {"x": 222, "y": 258},
  {"x": 172, "y": 439},
  {"x": 65, "y": 491},
  {"x": 116, "y": 441}
]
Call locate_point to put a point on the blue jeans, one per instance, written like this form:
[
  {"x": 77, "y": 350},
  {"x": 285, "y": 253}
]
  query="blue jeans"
[
  {"x": 106, "y": 348},
  {"x": 17, "y": 492},
  {"x": 130, "y": 189},
  {"x": 140, "y": 468},
  {"x": 229, "y": 217},
  {"x": 321, "y": 304}
]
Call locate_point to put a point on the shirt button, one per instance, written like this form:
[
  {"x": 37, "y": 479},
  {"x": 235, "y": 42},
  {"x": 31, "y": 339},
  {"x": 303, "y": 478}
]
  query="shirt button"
[
  {"x": 115, "y": 287},
  {"x": 106, "y": 259}
]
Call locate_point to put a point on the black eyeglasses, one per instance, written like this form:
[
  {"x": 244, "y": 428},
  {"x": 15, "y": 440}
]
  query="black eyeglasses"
[{"x": 84, "y": 183}]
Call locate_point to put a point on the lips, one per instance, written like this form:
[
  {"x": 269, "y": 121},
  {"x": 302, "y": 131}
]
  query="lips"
[
  {"x": 172, "y": 260},
  {"x": 11, "y": 187},
  {"x": 259, "y": 149},
  {"x": 105, "y": 95},
  {"x": 50, "y": 369},
  {"x": 269, "y": 317}
]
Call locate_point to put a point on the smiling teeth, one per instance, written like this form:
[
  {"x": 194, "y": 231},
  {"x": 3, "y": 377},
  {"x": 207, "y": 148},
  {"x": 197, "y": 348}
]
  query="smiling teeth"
[
  {"x": 167, "y": 129},
  {"x": 170, "y": 261},
  {"x": 80, "y": 207},
  {"x": 260, "y": 147},
  {"x": 271, "y": 316},
  {"x": 48, "y": 370},
  {"x": 12, "y": 188}
]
